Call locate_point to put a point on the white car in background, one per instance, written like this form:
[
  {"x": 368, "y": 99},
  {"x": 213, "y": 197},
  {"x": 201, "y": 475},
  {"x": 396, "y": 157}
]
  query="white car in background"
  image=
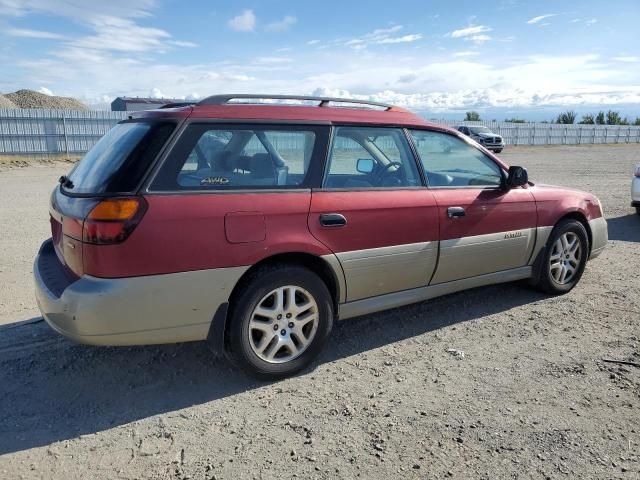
[{"x": 635, "y": 189}]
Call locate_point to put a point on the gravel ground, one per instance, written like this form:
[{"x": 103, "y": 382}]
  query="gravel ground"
[{"x": 530, "y": 397}]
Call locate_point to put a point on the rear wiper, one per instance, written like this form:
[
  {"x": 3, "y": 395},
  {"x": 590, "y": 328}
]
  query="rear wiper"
[{"x": 65, "y": 182}]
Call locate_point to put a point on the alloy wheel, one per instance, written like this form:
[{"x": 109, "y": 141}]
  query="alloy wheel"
[
  {"x": 565, "y": 258},
  {"x": 283, "y": 324}
]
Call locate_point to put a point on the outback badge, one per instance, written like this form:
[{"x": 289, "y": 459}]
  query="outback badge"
[{"x": 512, "y": 235}]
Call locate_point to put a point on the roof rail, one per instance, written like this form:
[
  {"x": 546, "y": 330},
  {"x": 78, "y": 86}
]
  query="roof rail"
[{"x": 322, "y": 101}]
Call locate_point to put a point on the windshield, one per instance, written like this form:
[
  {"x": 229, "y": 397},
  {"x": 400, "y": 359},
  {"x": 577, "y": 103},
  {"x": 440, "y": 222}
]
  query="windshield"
[
  {"x": 479, "y": 129},
  {"x": 119, "y": 160}
]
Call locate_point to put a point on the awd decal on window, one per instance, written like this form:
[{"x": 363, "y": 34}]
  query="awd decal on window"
[{"x": 214, "y": 181}]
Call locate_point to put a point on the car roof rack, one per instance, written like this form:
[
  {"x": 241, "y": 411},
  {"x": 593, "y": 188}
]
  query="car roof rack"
[{"x": 322, "y": 101}]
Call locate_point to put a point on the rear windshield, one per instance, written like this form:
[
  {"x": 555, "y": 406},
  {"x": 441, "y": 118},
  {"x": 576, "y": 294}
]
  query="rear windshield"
[{"x": 117, "y": 163}]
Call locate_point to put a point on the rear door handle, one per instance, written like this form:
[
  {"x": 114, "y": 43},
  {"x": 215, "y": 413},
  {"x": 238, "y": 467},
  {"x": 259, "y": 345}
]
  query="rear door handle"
[
  {"x": 332, "y": 220},
  {"x": 455, "y": 212}
]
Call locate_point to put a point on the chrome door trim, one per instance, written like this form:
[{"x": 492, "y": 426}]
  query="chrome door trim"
[{"x": 407, "y": 297}]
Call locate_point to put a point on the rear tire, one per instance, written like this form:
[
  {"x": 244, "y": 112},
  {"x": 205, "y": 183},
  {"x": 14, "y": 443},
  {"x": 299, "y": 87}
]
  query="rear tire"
[
  {"x": 637, "y": 210},
  {"x": 564, "y": 258},
  {"x": 280, "y": 321},
  {"x": 497, "y": 150}
]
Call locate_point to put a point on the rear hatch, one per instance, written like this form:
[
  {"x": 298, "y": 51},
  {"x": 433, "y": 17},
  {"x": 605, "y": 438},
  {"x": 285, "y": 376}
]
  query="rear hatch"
[{"x": 97, "y": 202}]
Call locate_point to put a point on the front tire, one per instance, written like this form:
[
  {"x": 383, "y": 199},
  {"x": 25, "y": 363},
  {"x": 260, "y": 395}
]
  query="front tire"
[
  {"x": 638, "y": 210},
  {"x": 497, "y": 150},
  {"x": 564, "y": 259},
  {"x": 280, "y": 321}
]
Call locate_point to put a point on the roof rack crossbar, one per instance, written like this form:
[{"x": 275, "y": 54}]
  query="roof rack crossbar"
[{"x": 322, "y": 101}]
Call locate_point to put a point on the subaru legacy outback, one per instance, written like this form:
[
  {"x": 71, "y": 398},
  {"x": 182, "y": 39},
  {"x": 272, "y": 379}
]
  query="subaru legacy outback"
[{"x": 254, "y": 225}]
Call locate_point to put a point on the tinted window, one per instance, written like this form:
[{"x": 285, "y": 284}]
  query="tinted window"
[
  {"x": 214, "y": 157},
  {"x": 369, "y": 157},
  {"x": 120, "y": 159},
  {"x": 449, "y": 161}
]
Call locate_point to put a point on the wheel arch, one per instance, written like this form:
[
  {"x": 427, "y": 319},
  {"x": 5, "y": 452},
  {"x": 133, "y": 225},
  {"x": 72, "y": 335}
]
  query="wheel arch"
[
  {"x": 582, "y": 218},
  {"x": 570, "y": 215},
  {"x": 329, "y": 273}
]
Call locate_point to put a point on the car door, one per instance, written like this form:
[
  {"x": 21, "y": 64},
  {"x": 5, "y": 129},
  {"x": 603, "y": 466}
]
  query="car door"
[
  {"x": 484, "y": 228},
  {"x": 374, "y": 212}
]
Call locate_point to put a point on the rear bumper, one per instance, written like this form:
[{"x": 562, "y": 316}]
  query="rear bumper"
[
  {"x": 599, "y": 236},
  {"x": 169, "y": 308}
]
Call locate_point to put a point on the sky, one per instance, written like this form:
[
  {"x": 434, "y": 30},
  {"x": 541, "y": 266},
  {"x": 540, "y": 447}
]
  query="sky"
[{"x": 440, "y": 58}]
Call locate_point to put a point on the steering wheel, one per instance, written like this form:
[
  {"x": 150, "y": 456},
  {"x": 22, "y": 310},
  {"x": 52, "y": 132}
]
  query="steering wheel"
[{"x": 386, "y": 168}]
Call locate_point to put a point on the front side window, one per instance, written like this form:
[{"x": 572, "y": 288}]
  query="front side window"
[
  {"x": 449, "y": 161},
  {"x": 239, "y": 157},
  {"x": 370, "y": 157}
]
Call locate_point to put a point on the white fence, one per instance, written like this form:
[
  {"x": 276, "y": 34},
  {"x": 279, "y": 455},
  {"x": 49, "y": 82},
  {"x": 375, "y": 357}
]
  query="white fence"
[
  {"x": 66, "y": 131},
  {"x": 556, "y": 134},
  {"x": 36, "y": 131}
]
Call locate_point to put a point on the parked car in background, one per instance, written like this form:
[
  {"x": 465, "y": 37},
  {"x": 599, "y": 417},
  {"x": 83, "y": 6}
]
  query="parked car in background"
[
  {"x": 256, "y": 225},
  {"x": 635, "y": 189},
  {"x": 484, "y": 136}
]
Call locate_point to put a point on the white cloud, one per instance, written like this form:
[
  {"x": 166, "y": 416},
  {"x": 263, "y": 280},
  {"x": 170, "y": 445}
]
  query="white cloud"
[
  {"x": 541, "y": 17},
  {"x": 45, "y": 90},
  {"x": 156, "y": 93},
  {"x": 245, "y": 22},
  {"x": 627, "y": 59},
  {"x": 379, "y": 36},
  {"x": 182, "y": 43},
  {"x": 25, "y": 33},
  {"x": 79, "y": 10},
  {"x": 313, "y": 42},
  {"x": 274, "y": 60},
  {"x": 281, "y": 25},
  {"x": 478, "y": 39},
  {"x": 588, "y": 23},
  {"x": 471, "y": 30},
  {"x": 114, "y": 33},
  {"x": 385, "y": 31},
  {"x": 404, "y": 39},
  {"x": 467, "y": 53},
  {"x": 575, "y": 20}
]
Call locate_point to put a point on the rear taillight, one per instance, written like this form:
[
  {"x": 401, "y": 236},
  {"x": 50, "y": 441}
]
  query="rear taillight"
[{"x": 112, "y": 220}]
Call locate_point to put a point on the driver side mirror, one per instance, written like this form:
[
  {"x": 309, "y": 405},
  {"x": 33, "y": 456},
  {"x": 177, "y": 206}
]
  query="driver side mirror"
[
  {"x": 517, "y": 177},
  {"x": 364, "y": 165}
]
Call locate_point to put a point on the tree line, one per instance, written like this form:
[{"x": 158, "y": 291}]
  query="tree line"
[{"x": 611, "y": 117}]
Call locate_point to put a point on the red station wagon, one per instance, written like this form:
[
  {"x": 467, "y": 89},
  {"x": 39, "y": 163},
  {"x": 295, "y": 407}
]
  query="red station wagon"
[{"x": 255, "y": 224}]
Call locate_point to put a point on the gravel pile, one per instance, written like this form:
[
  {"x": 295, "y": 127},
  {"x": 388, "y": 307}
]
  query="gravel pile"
[
  {"x": 6, "y": 103},
  {"x": 31, "y": 99}
]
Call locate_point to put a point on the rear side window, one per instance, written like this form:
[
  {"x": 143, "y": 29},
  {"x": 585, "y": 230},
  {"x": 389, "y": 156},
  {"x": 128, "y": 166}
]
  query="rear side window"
[
  {"x": 118, "y": 162},
  {"x": 213, "y": 157},
  {"x": 449, "y": 161},
  {"x": 371, "y": 157}
]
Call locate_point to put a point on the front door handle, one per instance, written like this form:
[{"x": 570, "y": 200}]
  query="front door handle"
[
  {"x": 455, "y": 212},
  {"x": 332, "y": 220}
]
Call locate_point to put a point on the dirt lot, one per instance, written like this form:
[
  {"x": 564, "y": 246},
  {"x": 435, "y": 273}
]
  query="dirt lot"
[{"x": 531, "y": 398}]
